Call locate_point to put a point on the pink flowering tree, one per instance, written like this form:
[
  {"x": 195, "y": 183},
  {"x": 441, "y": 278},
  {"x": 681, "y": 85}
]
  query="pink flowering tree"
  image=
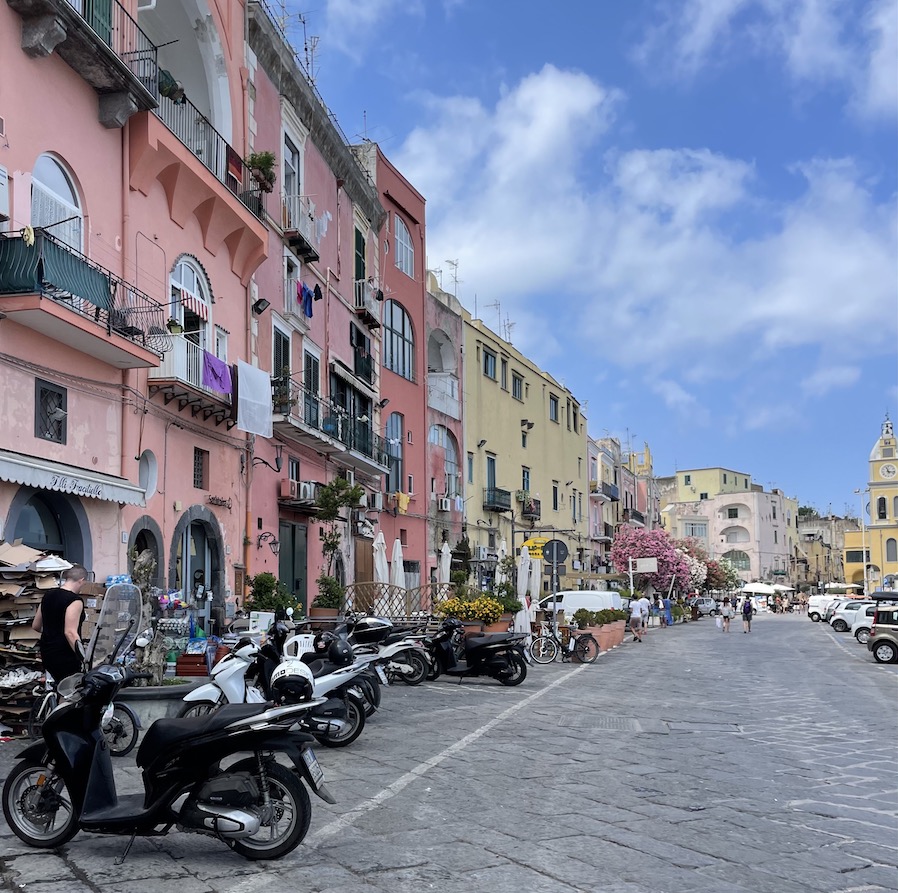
[{"x": 634, "y": 542}]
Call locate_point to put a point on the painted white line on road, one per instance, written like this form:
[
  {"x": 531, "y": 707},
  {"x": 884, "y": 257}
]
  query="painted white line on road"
[{"x": 349, "y": 818}]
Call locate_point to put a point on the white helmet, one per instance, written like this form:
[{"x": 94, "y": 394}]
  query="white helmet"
[{"x": 292, "y": 681}]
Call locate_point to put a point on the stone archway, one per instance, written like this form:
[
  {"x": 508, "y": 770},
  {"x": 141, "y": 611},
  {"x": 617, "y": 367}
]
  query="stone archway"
[
  {"x": 215, "y": 580},
  {"x": 70, "y": 516},
  {"x": 146, "y": 534}
]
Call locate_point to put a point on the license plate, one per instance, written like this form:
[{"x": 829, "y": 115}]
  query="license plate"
[
  {"x": 309, "y": 758},
  {"x": 381, "y": 673}
]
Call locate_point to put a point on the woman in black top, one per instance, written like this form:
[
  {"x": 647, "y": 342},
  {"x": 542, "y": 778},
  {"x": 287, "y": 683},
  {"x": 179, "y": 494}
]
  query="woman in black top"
[{"x": 58, "y": 620}]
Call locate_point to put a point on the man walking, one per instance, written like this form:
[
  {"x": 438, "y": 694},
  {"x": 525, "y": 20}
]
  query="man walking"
[
  {"x": 58, "y": 620},
  {"x": 747, "y": 611}
]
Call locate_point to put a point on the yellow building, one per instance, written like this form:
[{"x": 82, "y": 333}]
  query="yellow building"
[
  {"x": 525, "y": 455},
  {"x": 878, "y": 535},
  {"x": 693, "y": 484}
]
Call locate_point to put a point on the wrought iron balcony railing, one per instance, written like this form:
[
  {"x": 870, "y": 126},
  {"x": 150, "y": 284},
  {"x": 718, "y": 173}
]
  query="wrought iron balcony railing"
[
  {"x": 496, "y": 499},
  {"x": 612, "y": 491},
  {"x": 196, "y": 132},
  {"x": 531, "y": 510}
]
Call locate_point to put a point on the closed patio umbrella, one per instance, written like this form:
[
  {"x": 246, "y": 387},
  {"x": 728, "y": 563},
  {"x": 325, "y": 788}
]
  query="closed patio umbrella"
[
  {"x": 500, "y": 554},
  {"x": 445, "y": 564},
  {"x": 381, "y": 565},
  {"x": 397, "y": 570},
  {"x": 521, "y": 622}
]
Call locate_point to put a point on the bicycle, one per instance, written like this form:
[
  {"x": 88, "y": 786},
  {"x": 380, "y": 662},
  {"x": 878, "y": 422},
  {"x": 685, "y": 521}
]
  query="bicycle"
[
  {"x": 120, "y": 724},
  {"x": 545, "y": 647}
]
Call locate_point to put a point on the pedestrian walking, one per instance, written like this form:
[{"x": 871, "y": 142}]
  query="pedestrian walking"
[
  {"x": 58, "y": 620},
  {"x": 747, "y": 611},
  {"x": 726, "y": 612},
  {"x": 636, "y": 620},
  {"x": 645, "y": 606}
]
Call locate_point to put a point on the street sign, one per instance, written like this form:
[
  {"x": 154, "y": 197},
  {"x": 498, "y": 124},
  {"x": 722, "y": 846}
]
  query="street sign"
[
  {"x": 554, "y": 552},
  {"x": 646, "y": 566},
  {"x": 535, "y": 546}
]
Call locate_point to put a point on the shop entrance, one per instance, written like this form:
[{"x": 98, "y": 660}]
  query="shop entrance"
[
  {"x": 193, "y": 570},
  {"x": 292, "y": 559}
]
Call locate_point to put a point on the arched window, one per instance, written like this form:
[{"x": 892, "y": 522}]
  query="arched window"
[
  {"x": 405, "y": 251},
  {"x": 191, "y": 299},
  {"x": 394, "y": 448},
  {"x": 54, "y": 199},
  {"x": 738, "y": 559},
  {"x": 399, "y": 342},
  {"x": 881, "y": 508},
  {"x": 891, "y": 549},
  {"x": 441, "y": 436},
  {"x": 39, "y": 526}
]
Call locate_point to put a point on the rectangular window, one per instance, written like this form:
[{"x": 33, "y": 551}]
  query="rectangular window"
[
  {"x": 293, "y": 468},
  {"x": 360, "y": 264},
  {"x": 525, "y": 479},
  {"x": 732, "y": 513},
  {"x": 553, "y": 408},
  {"x": 724, "y": 477},
  {"x": 856, "y": 556},
  {"x": 490, "y": 472},
  {"x": 555, "y": 496},
  {"x": 574, "y": 506},
  {"x": 489, "y": 365},
  {"x": 280, "y": 354},
  {"x": 504, "y": 374},
  {"x": 774, "y": 512},
  {"x": 221, "y": 344},
  {"x": 702, "y": 495},
  {"x": 411, "y": 484},
  {"x": 50, "y": 408},
  {"x": 567, "y": 414},
  {"x": 517, "y": 386},
  {"x": 524, "y": 440},
  {"x": 695, "y": 529},
  {"x": 746, "y": 483},
  {"x": 200, "y": 469},
  {"x": 776, "y": 536},
  {"x": 687, "y": 479},
  {"x": 576, "y": 420},
  {"x": 579, "y": 506},
  {"x": 470, "y": 468}
]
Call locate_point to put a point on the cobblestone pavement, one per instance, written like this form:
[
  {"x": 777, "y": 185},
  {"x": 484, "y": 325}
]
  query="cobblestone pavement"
[{"x": 695, "y": 762}]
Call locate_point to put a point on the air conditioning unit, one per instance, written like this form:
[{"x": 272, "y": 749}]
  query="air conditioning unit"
[
  {"x": 444, "y": 504},
  {"x": 377, "y": 502},
  {"x": 289, "y": 489},
  {"x": 481, "y": 553},
  {"x": 308, "y": 490}
]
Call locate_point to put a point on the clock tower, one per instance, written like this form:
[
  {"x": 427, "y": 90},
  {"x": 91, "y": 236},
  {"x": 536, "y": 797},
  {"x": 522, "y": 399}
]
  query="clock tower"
[{"x": 880, "y": 503}]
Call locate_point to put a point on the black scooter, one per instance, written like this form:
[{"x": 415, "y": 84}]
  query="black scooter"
[
  {"x": 497, "y": 655},
  {"x": 257, "y": 806}
]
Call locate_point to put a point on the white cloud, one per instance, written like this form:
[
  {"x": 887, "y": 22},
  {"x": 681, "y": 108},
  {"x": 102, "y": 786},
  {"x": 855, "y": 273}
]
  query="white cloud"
[
  {"x": 351, "y": 26},
  {"x": 828, "y": 378},
  {"x": 819, "y": 42},
  {"x": 670, "y": 259}
]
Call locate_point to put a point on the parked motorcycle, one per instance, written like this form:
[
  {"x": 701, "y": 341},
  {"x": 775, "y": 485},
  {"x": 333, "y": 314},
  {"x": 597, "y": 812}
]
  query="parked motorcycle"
[
  {"x": 403, "y": 651},
  {"x": 498, "y": 655},
  {"x": 257, "y": 806}
]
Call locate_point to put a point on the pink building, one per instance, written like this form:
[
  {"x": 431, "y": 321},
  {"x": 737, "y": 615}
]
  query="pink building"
[{"x": 120, "y": 321}]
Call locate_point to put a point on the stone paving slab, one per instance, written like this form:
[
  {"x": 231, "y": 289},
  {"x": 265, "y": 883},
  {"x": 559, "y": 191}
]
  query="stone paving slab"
[{"x": 737, "y": 765}]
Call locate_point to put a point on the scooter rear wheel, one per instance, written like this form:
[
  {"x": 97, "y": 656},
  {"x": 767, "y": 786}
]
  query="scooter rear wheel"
[
  {"x": 355, "y": 717},
  {"x": 198, "y": 708},
  {"x": 414, "y": 660},
  {"x": 38, "y": 807},
  {"x": 290, "y": 813}
]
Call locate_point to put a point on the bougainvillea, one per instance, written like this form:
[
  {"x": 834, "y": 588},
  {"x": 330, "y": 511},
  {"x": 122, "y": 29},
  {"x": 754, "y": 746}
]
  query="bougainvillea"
[{"x": 633, "y": 542}]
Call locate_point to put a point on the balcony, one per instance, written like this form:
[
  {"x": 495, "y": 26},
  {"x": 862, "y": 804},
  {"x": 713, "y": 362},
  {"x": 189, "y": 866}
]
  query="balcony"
[
  {"x": 57, "y": 291},
  {"x": 102, "y": 43},
  {"x": 496, "y": 500},
  {"x": 530, "y": 510},
  {"x": 442, "y": 394},
  {"x": 612, "y": 491},
  {"x": 313, "y": 420},
  {"x": 368, "y": 301},
  {"x": 637, "y": 518},
  {"x": 299, "y": 226},
  {"x": 202, "y": 177},
  {"x": 180, "y": 379},
  {"x": 363, "y": 365}
]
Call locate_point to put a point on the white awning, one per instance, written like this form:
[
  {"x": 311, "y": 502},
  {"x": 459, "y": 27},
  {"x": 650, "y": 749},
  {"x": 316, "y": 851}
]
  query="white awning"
[{"x": 46, "y": 475}]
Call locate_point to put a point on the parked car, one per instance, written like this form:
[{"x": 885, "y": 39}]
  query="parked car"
[
  {"x": 845, "y": 615},
  {"x": 706, "y": 606},
  {"x": 883, "y": 641},
  {"x": 817, "y": 605},
  {"x": 860, "y": 629}
]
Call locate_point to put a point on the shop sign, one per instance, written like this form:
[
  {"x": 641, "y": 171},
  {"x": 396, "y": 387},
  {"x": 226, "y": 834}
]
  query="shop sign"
[{"x": 65, "y": 484}]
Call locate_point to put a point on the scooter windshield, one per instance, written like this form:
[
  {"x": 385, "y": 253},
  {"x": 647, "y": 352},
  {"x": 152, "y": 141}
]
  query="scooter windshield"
[{"x": 120, "y": 621}]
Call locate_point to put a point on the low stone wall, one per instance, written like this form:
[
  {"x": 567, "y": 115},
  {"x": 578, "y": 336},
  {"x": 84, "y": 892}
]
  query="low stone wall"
[{"x": 152, "y": 702}]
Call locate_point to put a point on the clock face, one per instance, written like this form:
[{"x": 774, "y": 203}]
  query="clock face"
[{"x": 888, "y": 470}]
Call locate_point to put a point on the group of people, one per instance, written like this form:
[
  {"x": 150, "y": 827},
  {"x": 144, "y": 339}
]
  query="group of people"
[{"x": 728, "y": 611}]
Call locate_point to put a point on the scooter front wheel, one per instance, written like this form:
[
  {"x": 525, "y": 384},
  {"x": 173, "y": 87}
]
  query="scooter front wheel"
[
  {"x": 198, "y": 708},
  {"x": 518, "y": 668},
  {"x": 38, "y": 807},
  {"x": 286, "y": 818}
]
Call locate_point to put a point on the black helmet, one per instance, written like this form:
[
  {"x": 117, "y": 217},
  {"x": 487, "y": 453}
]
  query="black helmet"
[
  {"x": 340, "y": 653},
  {"x": 452, "y": 624}
]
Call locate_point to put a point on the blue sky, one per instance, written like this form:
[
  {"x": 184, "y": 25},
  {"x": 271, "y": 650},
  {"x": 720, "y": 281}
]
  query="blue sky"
[{"x": 686, "y": 208}]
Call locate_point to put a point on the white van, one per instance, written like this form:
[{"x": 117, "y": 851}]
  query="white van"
[{"x": 572, "y": 600}]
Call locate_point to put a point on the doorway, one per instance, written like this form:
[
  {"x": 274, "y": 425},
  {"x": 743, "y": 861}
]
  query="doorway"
[{"x": 292, "y": 559}]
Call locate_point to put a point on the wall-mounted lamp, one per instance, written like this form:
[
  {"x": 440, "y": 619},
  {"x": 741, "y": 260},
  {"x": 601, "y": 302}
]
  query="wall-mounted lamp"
[
  {"x": 526, "y": 423},
  {"x": 568, "y": 483},
  {"x": 384, "y": 402},
  {"x": 261, "y": 306},
  {"x": 272, "y": 541},
  {"x": 174, "y": 327},
  {"x": 258, "y": 460},
  {"x": 481, "y": 443}
]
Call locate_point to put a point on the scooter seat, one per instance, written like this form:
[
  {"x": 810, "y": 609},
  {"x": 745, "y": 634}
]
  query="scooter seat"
[
  {"x": 490, "y": 639},
  {"x": 164, "y": 733}
]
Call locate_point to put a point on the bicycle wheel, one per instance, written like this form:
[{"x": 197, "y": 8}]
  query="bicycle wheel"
[
  {"x": 543, "y": 649},
  {"x": 41, "y": 708},
  {"x": 586, "y": 648}
]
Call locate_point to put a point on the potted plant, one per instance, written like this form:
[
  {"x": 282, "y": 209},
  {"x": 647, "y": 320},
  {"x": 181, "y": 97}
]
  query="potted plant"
[
  {"x": 261, "y": 166},
  {"x": 268, "y": 593},
  {"x": 474, "y": 612},
  {"x": 332, "y": 498}
]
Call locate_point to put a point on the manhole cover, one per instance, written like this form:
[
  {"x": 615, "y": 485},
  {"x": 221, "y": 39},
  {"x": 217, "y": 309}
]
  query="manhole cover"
[
  {"x": 703, "y": 726},
  {"x": 600, "y": 723}
]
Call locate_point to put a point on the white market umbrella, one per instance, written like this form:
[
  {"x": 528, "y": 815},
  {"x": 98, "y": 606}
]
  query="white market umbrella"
[
  {"x": 780, "y": 588},
  {"x": 759, "y": 589},
  {"x": 843, "y": 586},
  {"x": 397, "y": 571},
  {"x": 445, "y": 564},
  {"x": 500, "y": 554},
  {"x": 381, "y": 566}
]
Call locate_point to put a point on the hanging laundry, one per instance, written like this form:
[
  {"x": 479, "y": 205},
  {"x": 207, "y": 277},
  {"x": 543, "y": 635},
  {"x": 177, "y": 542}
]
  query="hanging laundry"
[
  {"x": 317, "y": 293},
  {"x": 402, "y": 501},
  {"x": 307, "y": 296},
  {"x": 216, "y": 374}
]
